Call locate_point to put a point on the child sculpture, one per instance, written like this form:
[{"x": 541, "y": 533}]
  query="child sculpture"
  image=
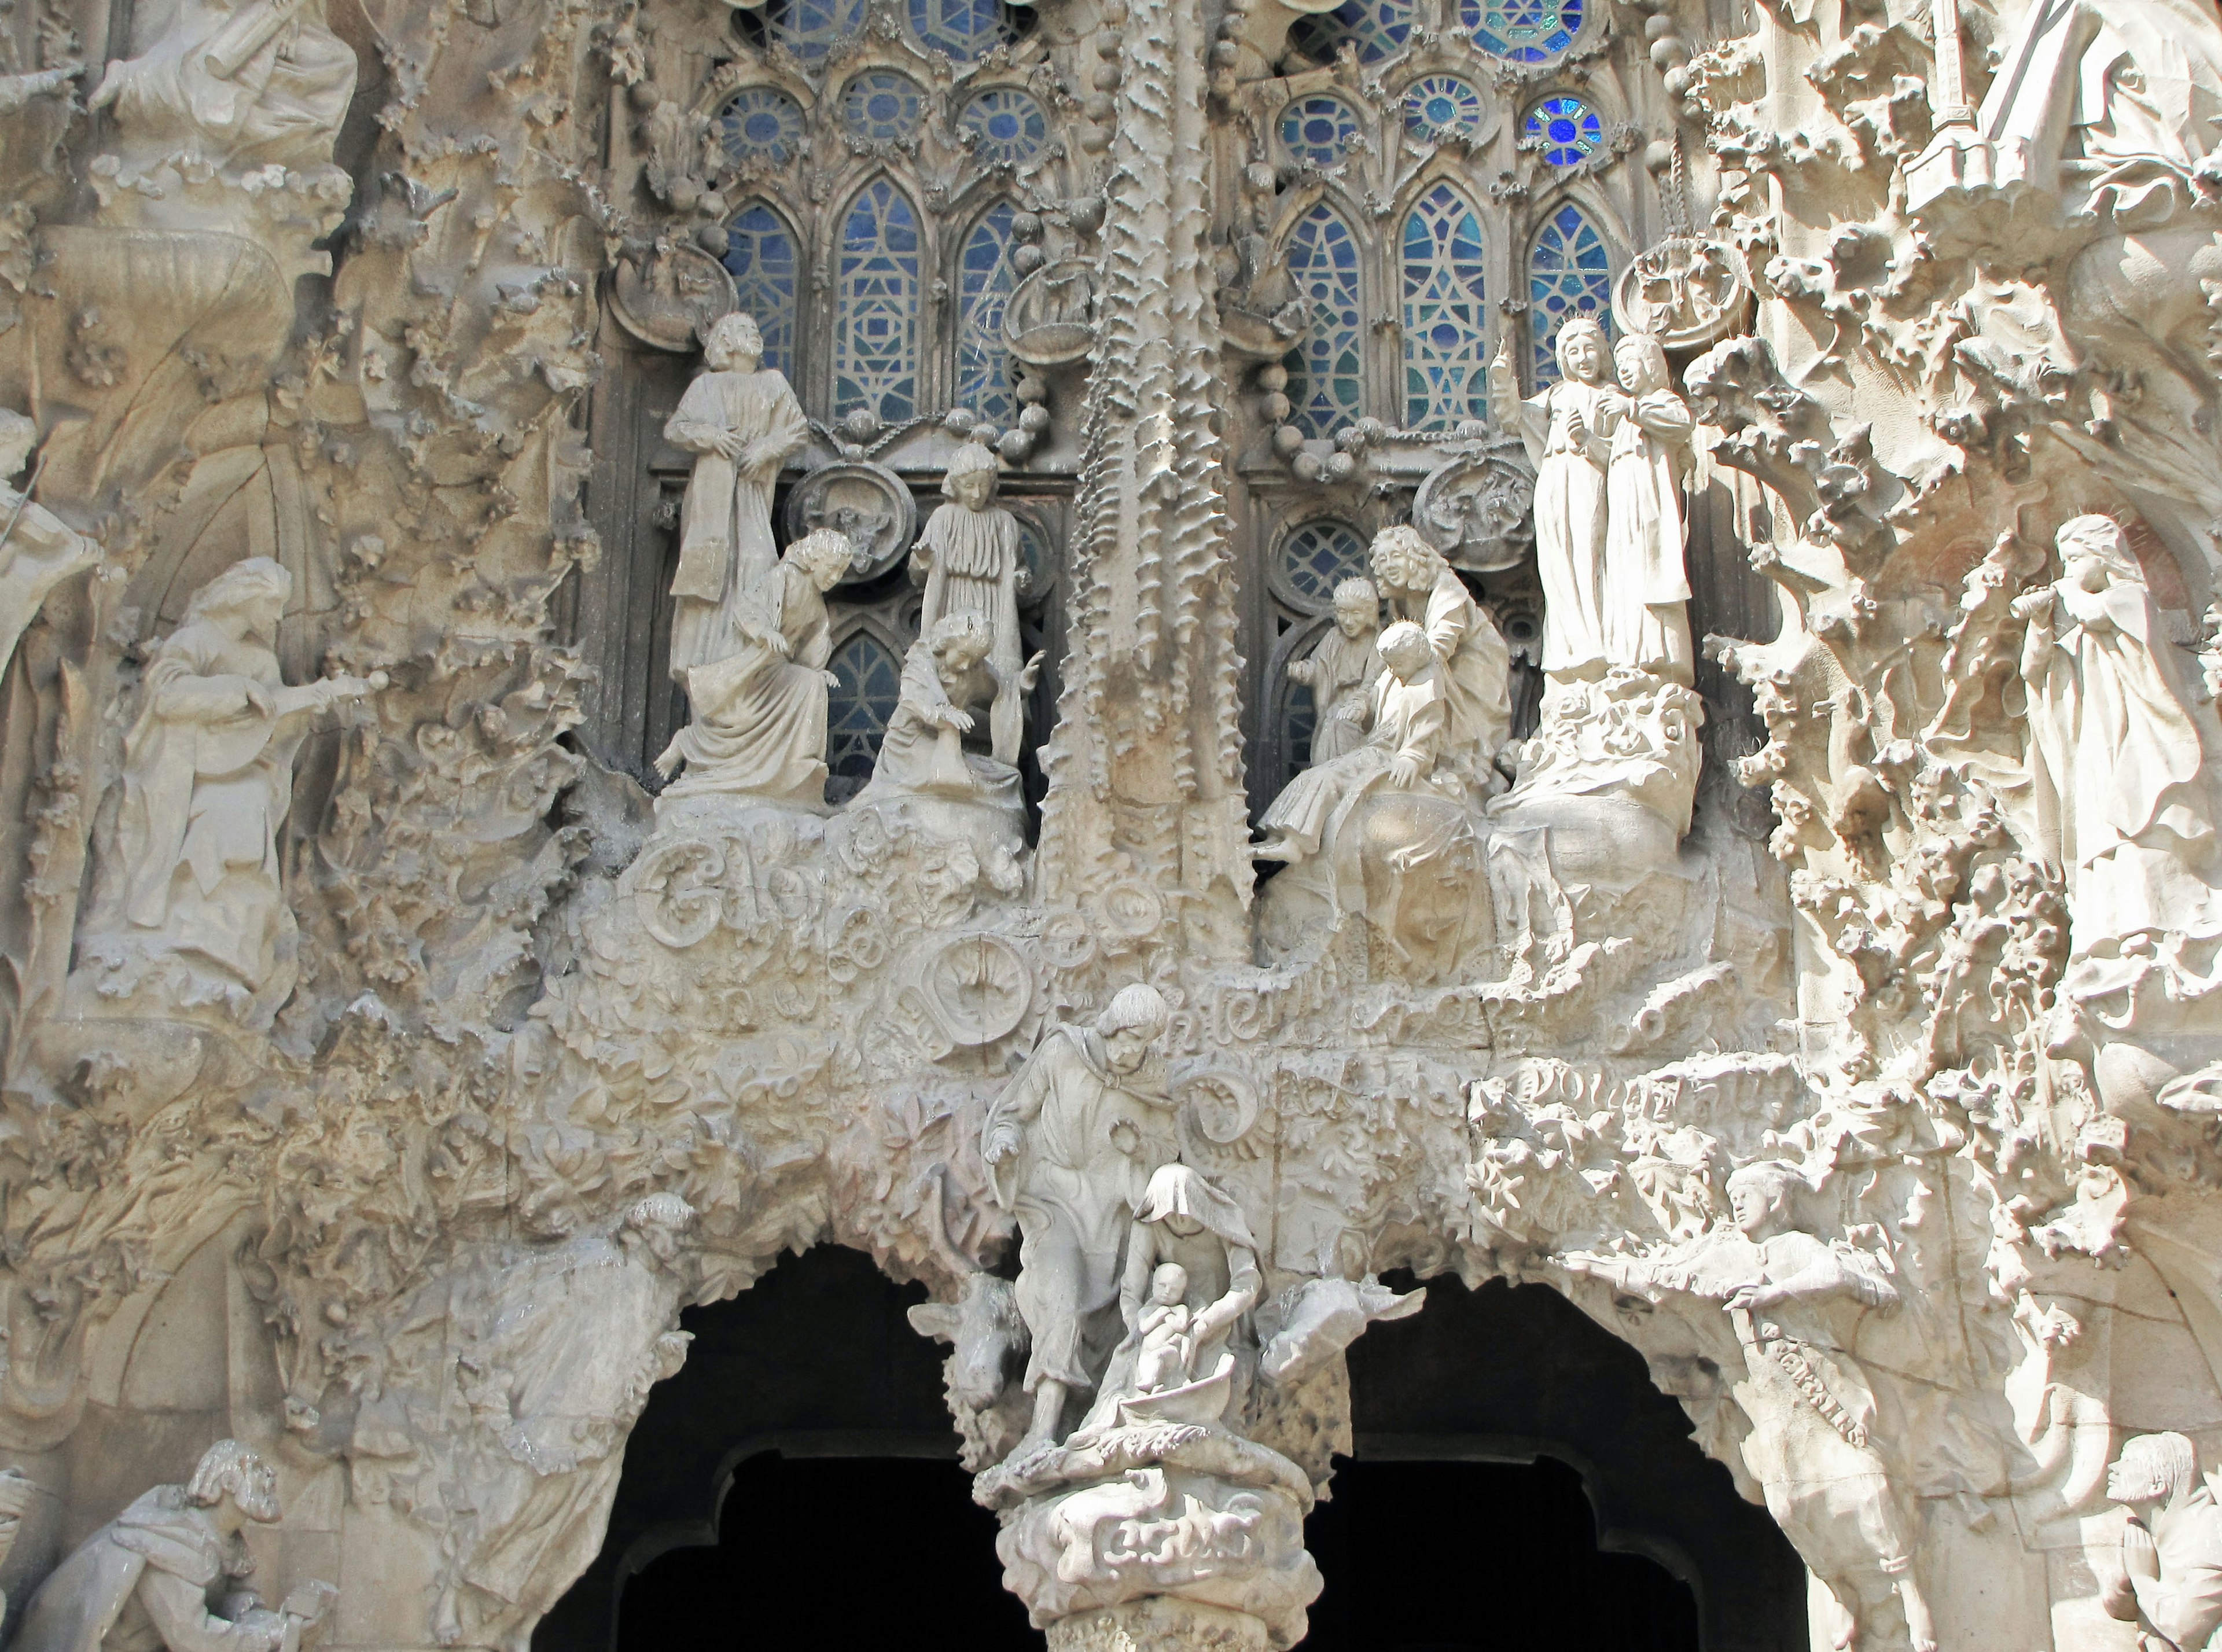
[
  {"x": 967, "y": 558},
  {"x": 1167, "y": 1334},
  {"x": 1341, "y": 670}
]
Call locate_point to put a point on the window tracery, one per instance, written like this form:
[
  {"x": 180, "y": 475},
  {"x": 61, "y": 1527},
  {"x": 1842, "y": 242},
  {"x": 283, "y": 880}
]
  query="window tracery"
[
  {"x": 867, "y": 682},
  {"x": 983, "y": 373},
  {"x": 1007, "y": 126},
  {"x": 1566, "y": 130},
  {"x": 1327, "y": 371},
  {"x": 809, "y": 29},
  {"x": 1446, "y": 320},
  {"x": 876, "y": 318},
  {"x": 881, "y": 107},
  {"x": 1376, "y": 29},
  {"x": 1319, "y": 130},
  {"x": 760, "y": 255},
  {"x": 1522, "y": 31},
  {"x": 1569, "y": 275}
]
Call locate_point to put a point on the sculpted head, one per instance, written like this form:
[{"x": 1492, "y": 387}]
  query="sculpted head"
[
  {"x": 959, "y": 642},
  {"x": 1169, "y": 1285},
  {"x": 18, "y": 436},
  {"x": 1759, "y": 1195},
  {"x": 1130, "y": 1024},
  {"x": 1357, "y": 607},
  {"x": 228, "y": 1469},
  {"x": 825, "y": 556},
  {"x": 248, "y": 599},
  {"x": 1582, "y": 351},
  {"x": 735, "y": 345},
  {"x": 971, "y": 479},
  {"x": 2095, "y": 553},
  {"x": 1642, "y": 364},
  {"x": 659, "y": 1221},
  {"x": 1402, "y": 559},
  {"x": 1404, "y": 649},
  {"x": 2153, "y": 1468}
]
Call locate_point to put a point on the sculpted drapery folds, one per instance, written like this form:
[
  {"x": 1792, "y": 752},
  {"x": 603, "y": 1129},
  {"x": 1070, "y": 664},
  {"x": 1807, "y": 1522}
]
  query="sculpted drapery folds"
[{"x": 970, "y": 561}]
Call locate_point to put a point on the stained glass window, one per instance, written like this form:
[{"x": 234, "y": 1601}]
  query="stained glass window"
[
  {"x": 1569, "y": 274},
  {"x": 964, "y": 29},
  {"x": 875, "y": 330},
  {"x": 760, "y": 251},
  {"x": 809, "y": 27},
  {"x": 1522, "y": 31},
  {"x": 1319, "y": 130},
  {"x": 1299, "y": 722},
  {"x": 1566, "y": 130},
  {"x": 881, "y": 107},
  {"x": 1446, "y": 355},
  {"x": 1438, "y": 105},
  {"x": 1006, "y": 125},
  {"x": 761, "y": 124},
  {"x": 1378, "y": 29},
  {"x": 868, "y": 679},
  {"x": 1316, "y": 557},
  {"x": 1327, "y": 372},
  {"x": 984, "y": 371}
]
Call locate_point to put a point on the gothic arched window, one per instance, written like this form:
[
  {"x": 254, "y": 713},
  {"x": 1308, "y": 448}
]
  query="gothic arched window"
[
  {"x": 1327, "y": 372},
  {"x": 1446, "y": 322},
  {"x": 984, "y": 282},
  {"x": 868, "y": 681},
  {"x": 1377, "y": 29},
  {"x": 1569, "y": 274},
  {"x": 760, "y": 251},
  {"x": 875, "y": 330}
]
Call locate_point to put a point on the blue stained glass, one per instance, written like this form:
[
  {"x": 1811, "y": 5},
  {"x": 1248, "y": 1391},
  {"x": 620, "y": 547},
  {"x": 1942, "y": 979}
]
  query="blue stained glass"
[
  {"x": 1522, "y": 31},
  {"x": 1566, "y": 130},
  {"x": 809, "y": 27},
  {"x": 882, "y": 107},
  {"x": 761, "y": 124},
  {"x": 1327, "y": 372},
  {"x": 1319, "y": 130},
  {"x": 1446, "y": 357},
  {"x": 1378, "y": 29},
  {"x": 1441, "y": 104},
  {"x": 1569, "y": 274},
  {"x": 964, "y": 29},
  {"x": 1318, "y": 557},
  {"x": 1006, "y": 125},
  {"x": 760, "y": 252},
  {"x": 875, "y": 334},
  {"x": 868, "y": 681},
  {"x": 984, "y": 362}
]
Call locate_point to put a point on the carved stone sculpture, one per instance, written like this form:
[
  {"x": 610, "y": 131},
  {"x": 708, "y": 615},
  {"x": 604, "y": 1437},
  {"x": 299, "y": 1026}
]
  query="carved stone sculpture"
[
  {"x": 38, "y": 550},
  {"x": 169, "y": 1571},
  {"x": 1420, "y": 586},
  {"x": 758, "y": 728},
  {"x": 1645, "y": 584},
  {"x": 1073, "y": 1141},
  {"x": 1567, "y": 430},
  {"x": 970, "y": 559},
  {"x": 2167, "y": 1578},
  {"x": 194, "y": 906},
  {"x": 742, "y": 423},
  {"x": 1340, "y": 671}
]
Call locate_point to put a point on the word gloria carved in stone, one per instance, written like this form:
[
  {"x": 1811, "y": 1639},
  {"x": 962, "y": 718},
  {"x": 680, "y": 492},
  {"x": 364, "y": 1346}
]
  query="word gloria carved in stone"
[{"x": 1157, "y": 665}]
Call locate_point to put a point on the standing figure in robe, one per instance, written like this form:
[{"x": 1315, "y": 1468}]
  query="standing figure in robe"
[
  {"x": 1565, "y": 427},
  {"x": 208, "y": 778},
  {"x": 2116, "y": 756},
  {"x": 1340, "y": 671},
  {"x": 1645, "y": 581},
  {"x": 968, "y": 559},
  {"x": 758, "y": 723},
  {"x": 1423, "y": 589},
  {"x": 742, "y": 424}
]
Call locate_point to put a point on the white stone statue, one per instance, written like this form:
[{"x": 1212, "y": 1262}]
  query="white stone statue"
[
  {"x": 742, "y": 423},
  {"x": 208, "y": 778},
  {"x": 923, "y": 757},
  {"x": 1645, "y": 583},
  {"x": 2167, "y": 1576},
  {"x": 38, "y": 550},
  {"x": 234, "y": 86},
  {"x": 2116, "y": 759},
  {"x": 1567, "y": 430},
  {"x": 1165, "y": 1333},
  {"x": 968, "y": 558},
  {"x": 758, "y": 727},
  {"x": 1070, "y": 1144},
  {"x": 1809, "y": 1401},
  {"x": 1404, "y": 749},
  {"x": 169, "y": 1571},
  {"x": 1421, "y": 587},
  {"x": 1340, "y": 671}
]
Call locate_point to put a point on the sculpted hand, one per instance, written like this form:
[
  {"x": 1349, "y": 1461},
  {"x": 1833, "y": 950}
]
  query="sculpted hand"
[
  {"x": 961, "y": 721},
  {"x": 1752, "y": 1299},
  {"x": 1578, "y": 427},
  {"x": 1403, "y": 773},
  {"x": 2030, "y": 604},
  {"x": 258, "y": 700},
  {"x": 1030, "y": 672},
  {"x": 2140, "y": 1556},
  {"x": 832, "y": 678},
  {"x": 1503, "y": 380},
  {"x": 730, "y": 446},
  {"x": 1002, "y": 1142}
]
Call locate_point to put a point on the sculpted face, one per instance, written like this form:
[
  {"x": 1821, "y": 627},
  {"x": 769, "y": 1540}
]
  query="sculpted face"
[
  {"x": 257, "y": 1495},
  {"x": 734, "y": 348},
  {"x": 1125, "y": 1050},
  {"x": 2130, "y": 1480},
  {"x": 1582, "y": 357},
  {"x": 1353, "y": 619},
  {"x": 1641, "y": 366},
  {"x": 973, "y": 488},
  {"x": 1751, "y": 1208}
]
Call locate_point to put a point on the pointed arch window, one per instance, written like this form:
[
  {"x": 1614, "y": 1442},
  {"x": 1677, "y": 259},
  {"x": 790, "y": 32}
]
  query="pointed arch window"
[
  {"x": 868, "y": 681},
  {"x": 1327, "y": 372},
  {"x": 984, "y": 283},
  {"x": 1446, "y": 320},
  {"x": 1569, "y": 275},
  {"x": 760, "y": 251},
  {"x": 876, "y": 321}
]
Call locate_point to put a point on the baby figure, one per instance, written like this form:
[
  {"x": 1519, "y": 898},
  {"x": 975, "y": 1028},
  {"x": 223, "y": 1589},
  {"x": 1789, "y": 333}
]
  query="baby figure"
[
  {"x": 1167, "y": 1331},
  {"x": 1341, "y": 669}
]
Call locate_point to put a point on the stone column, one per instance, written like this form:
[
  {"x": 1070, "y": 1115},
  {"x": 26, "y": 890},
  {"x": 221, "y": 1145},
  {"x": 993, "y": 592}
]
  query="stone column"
[{"x": 1146, "y": 767}]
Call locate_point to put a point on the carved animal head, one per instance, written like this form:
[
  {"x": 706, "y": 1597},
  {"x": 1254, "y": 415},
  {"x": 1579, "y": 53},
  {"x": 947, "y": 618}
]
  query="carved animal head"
[
  {"x": 984, "y": 1328},
  {"x": 1322, "y": 1317}
]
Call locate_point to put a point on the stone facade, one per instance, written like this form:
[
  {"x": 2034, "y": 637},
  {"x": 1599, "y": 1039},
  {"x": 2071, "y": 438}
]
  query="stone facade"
[{"x": 1146, "y": 658}]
